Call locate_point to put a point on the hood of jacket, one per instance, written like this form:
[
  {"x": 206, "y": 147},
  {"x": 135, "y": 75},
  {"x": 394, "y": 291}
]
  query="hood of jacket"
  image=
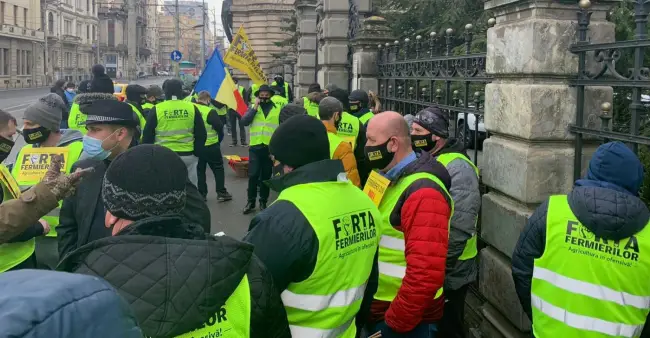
[
  {"x": 453, "y": 145},
  {"x": 174, "y": 276},
  {"x": 86, "y": 99},
  {"x": 425, "y": 163},
  {"x": 43, "y": 304},
  {"x": 321, "y": 171}
]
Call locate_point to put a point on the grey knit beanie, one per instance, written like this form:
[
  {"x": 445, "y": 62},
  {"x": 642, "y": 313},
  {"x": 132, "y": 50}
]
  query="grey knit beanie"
[{"x": 47, "y": 112}]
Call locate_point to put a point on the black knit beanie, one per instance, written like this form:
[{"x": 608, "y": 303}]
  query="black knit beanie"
[
  {"x": 291, "y": 110},
  {"x": 145, "y": 181},
  {"x": 299, "y": 141},
  {"x": 433, "y": 120}
]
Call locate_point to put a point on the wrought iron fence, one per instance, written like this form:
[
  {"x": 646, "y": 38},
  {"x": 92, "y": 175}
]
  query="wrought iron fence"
[
  {"x": 438, "y": 71},
  {"x": 620, "y": 65}
]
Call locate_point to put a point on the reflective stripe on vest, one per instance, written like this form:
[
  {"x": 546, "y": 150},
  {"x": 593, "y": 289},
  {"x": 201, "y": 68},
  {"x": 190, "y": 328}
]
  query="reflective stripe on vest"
[
  {"x": 233, "y": 320},
  {"x": 471, "y": 250},
  {"x": 348, "y": 129},
  {"x": 334, "y": 143},
  {"x": 366, "y": 117},
  {"x": 263, "y": 127},
  {"x": 586, "y": 286},
  {"x": 141, "y": 119},
  {"x": 286, "y": 89},
  {"x": 77, "y": 119},
  {"x": 392, "y": 262},
  {"x": 12, "y": 254},
  {"x": 175, "y": 129},
  {"x": 311, "y": 107},
  {"x": 213, "y": 138},
  {"x": 325, "y": 305},
  {"x": 74, "y": 151}
]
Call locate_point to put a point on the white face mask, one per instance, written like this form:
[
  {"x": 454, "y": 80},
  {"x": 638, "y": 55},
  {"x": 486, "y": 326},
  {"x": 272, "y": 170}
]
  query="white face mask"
[{"x": 70, "y": 90}]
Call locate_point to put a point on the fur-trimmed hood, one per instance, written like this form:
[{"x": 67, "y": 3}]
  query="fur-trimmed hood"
[{"x": 86, "y": 99}]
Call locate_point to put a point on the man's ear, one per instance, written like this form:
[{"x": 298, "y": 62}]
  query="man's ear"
[{"x": 110, "y": 219}]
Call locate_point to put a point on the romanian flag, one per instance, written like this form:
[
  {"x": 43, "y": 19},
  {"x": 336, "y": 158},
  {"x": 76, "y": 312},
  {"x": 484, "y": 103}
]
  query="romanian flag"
[{"x": 217, "y": 81}]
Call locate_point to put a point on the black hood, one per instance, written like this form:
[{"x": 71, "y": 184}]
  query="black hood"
[
  {"x": 608, "y": 213},
  {"x": 174, "y": 276}
]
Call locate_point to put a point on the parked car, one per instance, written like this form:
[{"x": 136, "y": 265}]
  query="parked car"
[
  {"x": 471, "y": 129},
  {"x": 119, "y": 90},
  {"x": 163, "y": 73}
]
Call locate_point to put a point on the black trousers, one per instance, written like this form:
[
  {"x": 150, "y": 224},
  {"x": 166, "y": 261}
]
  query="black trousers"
[
  {"x": 211, "y": 156},
  {"x": 452, "y": 324},
  {"x": 259, "y": 170},
  {"x": 234, "y": 117},
  {"x": 224, "y": 122}
]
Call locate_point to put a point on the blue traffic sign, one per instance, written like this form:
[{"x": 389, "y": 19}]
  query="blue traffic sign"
[{"x": 176, "y": 56}]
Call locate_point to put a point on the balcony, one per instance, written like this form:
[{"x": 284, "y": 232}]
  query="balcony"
[
  {"x": 144, "y": 51},
  {"x": 71, "y": 39},
  {"x": 104, "y": 12},
  {"x": 22, "y": 33}
]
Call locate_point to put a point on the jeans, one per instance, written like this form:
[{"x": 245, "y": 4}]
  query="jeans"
[
  {"x": 420, "y": 331},
  {"x": 211, "y": 156},
  {"x": 47, "y": 253},
  {"x": 234, "y": 117},
  {"x": 259, "y": 170},
  {"x": 453, "y": 320},
  {"x": 191, "y": 162}
]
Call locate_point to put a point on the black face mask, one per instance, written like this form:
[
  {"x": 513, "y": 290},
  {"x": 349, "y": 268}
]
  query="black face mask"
[
  {"x": 378, "y": 156},
  {"x": 277, "y": 171},
  {"x": 5, "y": 148},
  {"x": 422, "y": 142},
  {"x": 36, "y": 135}
]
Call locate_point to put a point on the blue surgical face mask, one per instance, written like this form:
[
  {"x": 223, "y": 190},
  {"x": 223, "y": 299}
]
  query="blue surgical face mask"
[{"x": 93, "y": 147}]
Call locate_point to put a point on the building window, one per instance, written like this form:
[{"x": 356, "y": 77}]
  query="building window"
[
  {"x": 6, "y": 61},
  {"x": 29, "y": 62},
  {"x": 15, "y": 15},
  {"x": 88, "y": 32},
  {"x": 50, "y": 22},
  {"x": 2, "y": 12},
  {"x": 24, "y": 17},
  {"x": 67, "y": 27},
  {"x": 111, "y": 33},
  {"x": 94, "y": 36},
  {"x": 77, "y": 32}
]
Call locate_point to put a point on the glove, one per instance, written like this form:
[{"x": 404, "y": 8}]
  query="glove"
[{"x": 60, "y": 184}]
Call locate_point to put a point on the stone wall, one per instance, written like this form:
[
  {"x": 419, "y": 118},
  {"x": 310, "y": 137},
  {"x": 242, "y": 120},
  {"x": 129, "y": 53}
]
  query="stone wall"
[{"x": 307, "y": 44}]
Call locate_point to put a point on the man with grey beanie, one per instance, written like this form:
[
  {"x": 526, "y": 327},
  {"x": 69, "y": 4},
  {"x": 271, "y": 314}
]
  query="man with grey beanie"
[
  {"x": 41, "y": 131},
  {"x": 430, "y": 133}
]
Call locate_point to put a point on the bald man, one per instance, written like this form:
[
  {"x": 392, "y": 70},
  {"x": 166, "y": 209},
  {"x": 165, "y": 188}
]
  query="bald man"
[{"x": 415, "y": 209}]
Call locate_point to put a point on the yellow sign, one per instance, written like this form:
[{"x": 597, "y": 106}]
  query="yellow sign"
[
  {"x": 233, "y": 157},
  {"x": 9, "y": 182},
  {"x": 241, "y": 55},
  {"x": 376, "y": 187},
  {"x": 35, "y": 162}
]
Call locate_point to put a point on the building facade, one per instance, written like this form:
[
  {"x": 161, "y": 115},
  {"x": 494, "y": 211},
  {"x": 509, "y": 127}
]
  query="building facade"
[
  {"x": 21, "y": 44},
  {"x": 191, "y": 26},
  {"x": 71, "y": 39}
]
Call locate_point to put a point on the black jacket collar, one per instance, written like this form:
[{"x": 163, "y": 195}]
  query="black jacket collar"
[{"x": 321, "y": 171}]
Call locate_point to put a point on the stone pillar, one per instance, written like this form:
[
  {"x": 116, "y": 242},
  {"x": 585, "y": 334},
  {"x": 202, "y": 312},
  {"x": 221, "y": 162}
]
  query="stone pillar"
[
  {"x": 374, "y": 33},
  {"x": 333, "y": 42},
  {"x": 530, "y": 153},
  {"x": 307, "y": 44}
]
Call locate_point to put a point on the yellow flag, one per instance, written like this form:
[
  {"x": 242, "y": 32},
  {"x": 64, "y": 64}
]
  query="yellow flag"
[{"x": 241, "y": 55}]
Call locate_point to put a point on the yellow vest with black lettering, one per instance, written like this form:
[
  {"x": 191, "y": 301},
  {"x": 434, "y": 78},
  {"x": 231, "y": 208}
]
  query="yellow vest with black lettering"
[
  {"x": 334, "y": 143},
  {"x": 585, "y": 286},
  {"x": 263, "y": 127},
  {"x": 286, "y": 89},
  {"x": 77, "y": 119},
  {"x": 324, "y": 304},
  {"x": 348, "y": 128},
  {"x": 175, "y": 129},
  {"x": 141, "y": 118},
  {"x": 43, "y": 158},
  {"x": 311, "y": 107},
  {"x": 12, "y": 254},
  {"x": 233, "y": 320},
  {"x": 470, "y": 251},
  {"x": 213, "y": 138},
  {"x": 392, "y": 261}
]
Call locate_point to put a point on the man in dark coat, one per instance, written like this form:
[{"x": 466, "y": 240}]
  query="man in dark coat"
[
  {"x": 176, "y": 277},
  {"x": 111, "y": 128}
]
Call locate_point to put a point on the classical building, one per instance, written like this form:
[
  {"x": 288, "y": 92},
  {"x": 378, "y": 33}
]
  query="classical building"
[
  {"x": 71, "y": 38},
  {"x": 21, "y": 44},
  {"x": 263, "y": 21}
]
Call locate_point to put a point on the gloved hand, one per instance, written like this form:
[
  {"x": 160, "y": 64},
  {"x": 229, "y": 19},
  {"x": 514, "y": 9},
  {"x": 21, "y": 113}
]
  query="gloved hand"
[{"x": 60, "y": 184}]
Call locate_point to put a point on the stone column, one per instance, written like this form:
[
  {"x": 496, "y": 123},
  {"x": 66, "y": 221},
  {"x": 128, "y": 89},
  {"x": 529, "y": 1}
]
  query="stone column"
[
  {"x": 307, "y": 44},
  {"x": 333, "y": 42},
  {"x": 530, "y": 153},
  {"x": 374, "y": 33}
]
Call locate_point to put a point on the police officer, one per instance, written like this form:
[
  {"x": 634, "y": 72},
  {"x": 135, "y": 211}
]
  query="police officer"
[
  {"x": 359, "y": 106},
  {"x": 320, "y": 228},
  {"x": 263, "y": 118},
  {"x": 581, "y": 264},
  {"x": 285, "y": 89},
  {"x": 177, "y": 125},
  {"x": 211, "y": 153},
  {"x": 45, "y": 139}
]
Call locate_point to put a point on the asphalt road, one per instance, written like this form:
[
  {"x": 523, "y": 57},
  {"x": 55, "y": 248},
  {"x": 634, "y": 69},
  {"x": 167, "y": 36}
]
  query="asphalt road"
[{"x": 226, "y": 217}]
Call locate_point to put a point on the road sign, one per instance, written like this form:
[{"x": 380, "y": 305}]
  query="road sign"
[{"x": 176, "y": 56}]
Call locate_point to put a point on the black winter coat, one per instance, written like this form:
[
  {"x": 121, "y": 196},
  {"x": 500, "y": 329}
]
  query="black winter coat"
[
  {"x": 176, "y": 277},
  {"x": 82, "y": 214},
  {"x": 608, "y": 213}
]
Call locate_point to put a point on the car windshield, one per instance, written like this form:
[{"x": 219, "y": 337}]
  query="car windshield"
[{"x": 117, "y": 89}]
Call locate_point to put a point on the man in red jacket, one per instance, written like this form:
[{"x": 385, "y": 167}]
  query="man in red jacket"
[{"x": 415, "y": 209}]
